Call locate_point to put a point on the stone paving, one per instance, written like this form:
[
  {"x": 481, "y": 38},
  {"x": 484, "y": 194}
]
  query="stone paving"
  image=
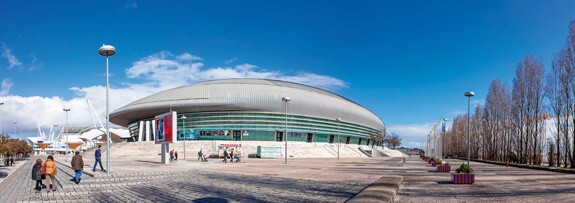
[
  {"x": 170, "y": 185},
  {"x": 301, "y": 180},
  {"x": 493, "y": 183}
]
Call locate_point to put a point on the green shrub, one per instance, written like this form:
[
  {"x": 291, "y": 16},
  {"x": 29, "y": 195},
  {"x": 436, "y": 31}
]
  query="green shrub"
[{"x": 464, "y": 168}]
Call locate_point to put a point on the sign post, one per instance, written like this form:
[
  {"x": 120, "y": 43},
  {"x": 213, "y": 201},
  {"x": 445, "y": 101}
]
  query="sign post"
[{"x": 165, "y": 133}]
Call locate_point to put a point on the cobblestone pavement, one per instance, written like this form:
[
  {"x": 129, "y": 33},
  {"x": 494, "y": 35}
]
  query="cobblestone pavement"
[
  {"x": 301, "y": 180},
  {"x": 181, "y": 186},
  {"x": 493, "y": 183}
]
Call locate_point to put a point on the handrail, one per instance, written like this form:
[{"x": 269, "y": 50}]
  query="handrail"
[
  {"x": 353, "y": 150},
  {"x": 365, "y": 152},
  {"x": 329, "y": 147}
]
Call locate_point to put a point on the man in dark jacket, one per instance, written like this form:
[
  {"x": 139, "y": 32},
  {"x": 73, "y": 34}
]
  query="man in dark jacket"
[
  {"x": 78, "y": 166},
  {"x": 98, "y": 156},
  {"x": 225, "y": 155}
]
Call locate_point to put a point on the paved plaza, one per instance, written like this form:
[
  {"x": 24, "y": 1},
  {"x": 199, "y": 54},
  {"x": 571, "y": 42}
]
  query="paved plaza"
[{"x": 301, "y": 180}]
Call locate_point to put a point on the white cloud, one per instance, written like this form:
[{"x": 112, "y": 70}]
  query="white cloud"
[
  {"x": 228, "y": 62},
  {"x": 412, "y": 135},
  {"x": 188, "y": 57},
  {"x": 35, "y": 65},
  {"x": 164, "y": 70},
  {"x": 6, "y": 86},
  {"x": 12, "y": 60},
  {"x": 159, "y": 72}
]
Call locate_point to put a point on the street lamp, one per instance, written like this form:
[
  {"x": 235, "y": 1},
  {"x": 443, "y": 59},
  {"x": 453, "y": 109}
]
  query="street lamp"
[
  {"x": 468, "y": 95},
  {"x": 1, "y": 103},
  {"x": 184, "y": 127},
  {"x": 338, "y": 139},
  {"x": 66, "y": 110},
  {"x": 107, "y": 50},
  {"x": 286, "y": 100},
  {"x": 14, "y": 126}
]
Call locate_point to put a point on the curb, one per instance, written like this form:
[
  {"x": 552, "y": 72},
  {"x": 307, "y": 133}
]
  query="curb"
[{"x": 382, "y": 190}]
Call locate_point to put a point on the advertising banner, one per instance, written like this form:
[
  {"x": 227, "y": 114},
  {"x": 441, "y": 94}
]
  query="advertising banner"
[{"x": 165, "y": 131}]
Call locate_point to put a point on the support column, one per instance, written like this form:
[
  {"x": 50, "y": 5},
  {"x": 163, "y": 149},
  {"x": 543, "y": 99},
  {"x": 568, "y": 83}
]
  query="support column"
[
  {"x": 141, "y": 130},
  {"x": 165, "y": 153},
  {"x": 153, "y": 130},
  {"x": 148, "y": 130}
]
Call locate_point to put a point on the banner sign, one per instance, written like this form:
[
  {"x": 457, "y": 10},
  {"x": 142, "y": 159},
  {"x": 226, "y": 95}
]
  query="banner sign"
[{"x": 165, "y": 127}]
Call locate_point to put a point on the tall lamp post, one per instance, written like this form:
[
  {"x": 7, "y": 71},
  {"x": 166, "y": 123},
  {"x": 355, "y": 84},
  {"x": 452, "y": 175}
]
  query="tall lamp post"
[
  {"x": 107, "y": 50},
  {"x": 14, "y": 127},
  {"x": 286, "y": 100},
  {"x": 338, "y": 138},
  {"x": 468, "y": 95},
  {"x": 1, "y": 103},
  {"x": 66, "y": 110},
  {"x": 184, "y": 127}
]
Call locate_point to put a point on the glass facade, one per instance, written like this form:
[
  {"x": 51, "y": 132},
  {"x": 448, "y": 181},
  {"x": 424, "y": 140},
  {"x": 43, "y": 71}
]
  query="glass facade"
[{"x": 261, "y": 126}]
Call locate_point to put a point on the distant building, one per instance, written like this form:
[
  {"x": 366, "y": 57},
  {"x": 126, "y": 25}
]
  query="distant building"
[
  {"x": 252, "y": 109},
  {"x": 87, "y": 136}
]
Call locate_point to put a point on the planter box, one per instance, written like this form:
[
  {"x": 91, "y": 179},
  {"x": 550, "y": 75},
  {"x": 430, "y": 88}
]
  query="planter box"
[
  {"x": 463, "y": 178},
  {"x": 444, "y": 168}
]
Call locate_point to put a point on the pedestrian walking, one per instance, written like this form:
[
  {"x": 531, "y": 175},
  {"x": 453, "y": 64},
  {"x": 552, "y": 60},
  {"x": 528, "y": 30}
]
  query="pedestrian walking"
[
  {"x": 226, "y": 155},
  {"x": 98, "y": 158},
  {"x": 201, "y": 155},
  {"x": 172, "y": 155},
  {"x": 11, "y": 161},
  {"x": 176, "y": 155},
  {"x": 232, "y": 155},
  {"x": 51, "y": 172},
  {"x": 78, "y": 166},
  {"x": 37, "y": 175}
]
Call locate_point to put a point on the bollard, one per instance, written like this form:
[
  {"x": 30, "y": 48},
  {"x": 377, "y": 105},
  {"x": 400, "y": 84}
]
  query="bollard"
[{"x": 506, "y": 163}]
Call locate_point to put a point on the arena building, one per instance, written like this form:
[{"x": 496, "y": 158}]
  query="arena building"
[{"x": 253, "y": 109}]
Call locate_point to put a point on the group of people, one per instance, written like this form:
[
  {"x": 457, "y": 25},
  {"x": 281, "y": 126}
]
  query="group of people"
[
  {"x": 8, "y": 161},
  {"x": 229, "y": 153},
  {"x": 47, "y": 170},
  {"x": 173, "y": 155}
]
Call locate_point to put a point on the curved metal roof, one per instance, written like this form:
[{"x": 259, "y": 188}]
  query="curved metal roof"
[{"x": 256, "y": 95}]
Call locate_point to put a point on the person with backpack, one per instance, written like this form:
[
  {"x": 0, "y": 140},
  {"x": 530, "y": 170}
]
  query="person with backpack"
[
  {"x": 51, "y": 171},
  {"x": 37, "y": 175}
]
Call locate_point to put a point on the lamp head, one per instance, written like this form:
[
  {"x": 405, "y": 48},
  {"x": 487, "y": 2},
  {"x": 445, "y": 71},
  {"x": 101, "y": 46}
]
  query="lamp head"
[
  {"x": 183, "y": 117},
  {"x": 107, "y": 50},
  {"x": 338, "y": 119},
  {"x": 1, "y": 103},
  {"x": 286, "y": 99},
  {"x": 469, "y": 94},
  {"x": 66, "y": 109}
]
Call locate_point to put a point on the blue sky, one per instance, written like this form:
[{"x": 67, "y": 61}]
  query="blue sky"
[{"x": 408, "y": 61}]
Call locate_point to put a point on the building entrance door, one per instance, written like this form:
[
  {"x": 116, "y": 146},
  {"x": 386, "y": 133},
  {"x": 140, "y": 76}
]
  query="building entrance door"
[
  {"x": 237, "y": 135},
  {"x": 331, "y": 138},
  {"x": 279, "y": 136},
  {"x": 347, "y": 140},
  {"x": 309, "y": 137}
]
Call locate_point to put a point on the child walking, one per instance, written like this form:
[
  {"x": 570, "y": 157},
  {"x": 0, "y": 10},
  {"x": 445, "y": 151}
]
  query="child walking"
[
  {"x": 51, "y": 173},
  {"x": 37, "y": 175}
]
